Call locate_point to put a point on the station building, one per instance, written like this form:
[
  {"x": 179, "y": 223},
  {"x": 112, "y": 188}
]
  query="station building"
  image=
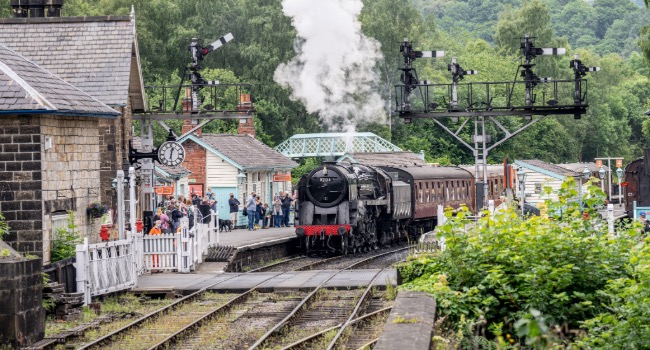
[
  {"x": 50, "y": 161},
  {"x": 234, "y": 163}
]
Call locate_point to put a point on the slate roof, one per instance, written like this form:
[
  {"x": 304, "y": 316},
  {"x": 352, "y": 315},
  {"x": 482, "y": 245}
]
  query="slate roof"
[
  {"x": 96, "y": 54},
  {"x": 245, "y": 151},
  {"x": 550, "y": 168},
  {"x": 27, "y": 88},
  {"x": 385, "y": 158},
  {"x": 176, "y": 172}
]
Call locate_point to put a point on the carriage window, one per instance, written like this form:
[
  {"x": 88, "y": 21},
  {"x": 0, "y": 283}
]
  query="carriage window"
[
  {"x": 420, "y": 193},
  {"x": 441, "y": 193},
  {"x": 427, "y": 191}
]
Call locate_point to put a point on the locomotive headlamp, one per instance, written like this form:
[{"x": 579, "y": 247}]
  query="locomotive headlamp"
[{"x": 325, "y": 170}]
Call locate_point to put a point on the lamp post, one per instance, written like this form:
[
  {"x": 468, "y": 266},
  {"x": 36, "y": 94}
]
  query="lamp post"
[
  {"x": 521, "y": 176},
  {"x": 585, "y": 175},
  {"x": 601, "y": 174},
  {"x": 619, "y": 175}
]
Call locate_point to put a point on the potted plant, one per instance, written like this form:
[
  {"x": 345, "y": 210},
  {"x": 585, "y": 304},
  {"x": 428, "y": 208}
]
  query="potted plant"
[{"x": 95, "y": 211}]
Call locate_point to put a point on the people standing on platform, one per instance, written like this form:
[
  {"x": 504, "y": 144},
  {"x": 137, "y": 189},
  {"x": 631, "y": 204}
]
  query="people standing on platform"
[
  {"x": 234, "y": 209},
  {"x": 156, "y": 216},
  {"x": 277, "y": 211},
  {"x": 265, "y": 215},
  {"x": 286, "y": 207},
  {"x": 209, "y": 194},
  {"x": 258, "y": 211},
  {"x": 250, "y": 210},
  {"x": 195, "y": 199},
  {"x": 156, "y": 230},
  {"x": 164, "y": 222},
  {"x": 176, "y": 218}
]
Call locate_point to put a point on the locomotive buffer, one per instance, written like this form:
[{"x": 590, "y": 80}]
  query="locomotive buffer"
[{"x": 453, "y": 106}]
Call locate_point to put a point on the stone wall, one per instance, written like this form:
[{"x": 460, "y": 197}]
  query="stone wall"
[
  {"x": 115, "y": 135},
  {"x": 20, "y": 182},
  {"x": 21, "y": 314},
  {"x": 71, "y": 178}
]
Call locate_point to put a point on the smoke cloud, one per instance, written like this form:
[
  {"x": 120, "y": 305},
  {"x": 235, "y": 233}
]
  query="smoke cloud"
[{"x": 333, "y": 73}]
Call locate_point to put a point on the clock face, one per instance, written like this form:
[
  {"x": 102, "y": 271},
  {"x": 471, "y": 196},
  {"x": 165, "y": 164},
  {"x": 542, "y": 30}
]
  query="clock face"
[{"x": 171, "y": 153}]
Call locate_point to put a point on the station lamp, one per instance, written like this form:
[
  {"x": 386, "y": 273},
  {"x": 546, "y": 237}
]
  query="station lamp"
[
  {"x": 586, "y": 174},
  {"x": 601, "y": 174},
  {"x": 619, "y": 175}
]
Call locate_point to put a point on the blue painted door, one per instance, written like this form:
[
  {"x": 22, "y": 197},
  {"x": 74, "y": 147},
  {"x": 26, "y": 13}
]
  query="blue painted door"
[{"x": 223, "y": 195}]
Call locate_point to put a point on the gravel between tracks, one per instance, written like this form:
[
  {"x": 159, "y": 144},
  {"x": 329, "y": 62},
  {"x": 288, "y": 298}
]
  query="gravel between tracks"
[{"x": 241, "y": 326}]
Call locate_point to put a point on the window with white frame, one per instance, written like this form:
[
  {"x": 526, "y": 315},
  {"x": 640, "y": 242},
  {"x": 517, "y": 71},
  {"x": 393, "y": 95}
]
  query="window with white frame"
[{"x": 59, "y": 221}]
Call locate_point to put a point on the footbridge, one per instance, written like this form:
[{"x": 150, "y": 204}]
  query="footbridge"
[{"x": 334, "y": 144}]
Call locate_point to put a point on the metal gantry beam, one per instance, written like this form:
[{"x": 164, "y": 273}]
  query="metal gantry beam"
[{"x": 334, "y": 145}]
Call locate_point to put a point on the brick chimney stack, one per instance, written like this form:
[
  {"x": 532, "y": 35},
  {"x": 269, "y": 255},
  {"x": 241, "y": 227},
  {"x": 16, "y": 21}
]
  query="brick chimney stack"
[
  {"x": 188, "y": 124},
  {"x": 246, "y": 124}
]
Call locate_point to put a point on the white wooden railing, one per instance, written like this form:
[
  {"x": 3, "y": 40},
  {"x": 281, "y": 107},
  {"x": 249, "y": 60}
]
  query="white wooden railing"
[
  {"x": 160, "y": 252},
  {"x": 106, "y": 267}
]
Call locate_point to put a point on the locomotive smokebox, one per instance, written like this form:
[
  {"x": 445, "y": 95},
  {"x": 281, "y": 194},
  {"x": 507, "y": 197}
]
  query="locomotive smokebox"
[{"x": 327, "y": 186}]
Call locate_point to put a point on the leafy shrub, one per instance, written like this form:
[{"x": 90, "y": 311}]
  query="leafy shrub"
[
  {"x": 504, "y": 268},
  {"x": 4, "y": 228},
  {"x": 66, "y": 239}
]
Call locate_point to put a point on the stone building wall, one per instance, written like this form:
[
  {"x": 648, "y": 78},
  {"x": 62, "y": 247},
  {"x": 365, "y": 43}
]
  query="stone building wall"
[
  {"x": 114, "y": 147},
  {"x": 70, "y": 172},
  {"x": 20, "y": 182}
]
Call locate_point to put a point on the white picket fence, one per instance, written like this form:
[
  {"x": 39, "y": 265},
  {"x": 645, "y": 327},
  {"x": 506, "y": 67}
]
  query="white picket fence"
[
  {"x": 106, "y": 267},
  {"x": 112, "y": 266}
]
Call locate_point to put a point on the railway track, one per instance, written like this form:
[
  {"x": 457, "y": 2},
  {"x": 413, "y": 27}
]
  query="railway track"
[{"x": 204, "y": 313}]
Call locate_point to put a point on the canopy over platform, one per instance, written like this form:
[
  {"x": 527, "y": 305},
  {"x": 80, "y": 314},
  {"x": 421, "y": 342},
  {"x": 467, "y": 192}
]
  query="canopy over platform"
[{"x": 334, "y": 144}]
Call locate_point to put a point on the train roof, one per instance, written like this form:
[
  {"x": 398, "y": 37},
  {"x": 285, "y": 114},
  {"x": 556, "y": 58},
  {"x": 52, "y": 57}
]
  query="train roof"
[
  {"x": 431, "y": 172},
  {"x": 493, "y": 170}
]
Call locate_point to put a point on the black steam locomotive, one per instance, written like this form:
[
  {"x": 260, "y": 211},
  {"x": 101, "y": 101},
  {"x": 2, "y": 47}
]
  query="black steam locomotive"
[{"x": 349, "y": 207}]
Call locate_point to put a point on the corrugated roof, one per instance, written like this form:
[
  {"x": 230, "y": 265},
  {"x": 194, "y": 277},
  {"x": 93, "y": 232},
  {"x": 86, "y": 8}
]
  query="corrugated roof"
[
  {"x": 579, "y": 167},
  {"x": 386, "y": 158},
  {"x": 94, "y": 54},
  {"x": 27, "y": 88},
  {"x": 550, "y": 168},
  {"x": 247, "y": 151}
]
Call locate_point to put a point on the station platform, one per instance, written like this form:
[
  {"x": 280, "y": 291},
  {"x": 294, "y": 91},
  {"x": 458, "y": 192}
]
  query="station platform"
[
  {"x": 241, "y": 238},
  {"x": 184, "y": 284}
]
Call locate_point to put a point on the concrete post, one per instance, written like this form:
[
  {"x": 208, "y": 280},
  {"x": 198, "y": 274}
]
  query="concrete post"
[
  {"x": 441, "y": 215},
  {"x": 132, "y": 200},
  {"x": 120, "y": 204}
]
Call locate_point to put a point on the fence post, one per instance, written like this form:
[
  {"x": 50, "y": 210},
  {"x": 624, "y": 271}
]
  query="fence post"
[
  {"x": 82, "y": 270},
  {"x": 491, "y": 206},
  {"x": 610, "y": 218},
  {"x": 120, "y": 204}
]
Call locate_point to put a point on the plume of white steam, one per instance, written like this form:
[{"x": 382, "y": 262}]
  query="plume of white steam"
[{"x": 333, "y": 72}]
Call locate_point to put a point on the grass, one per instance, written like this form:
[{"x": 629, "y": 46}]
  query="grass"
[{"x": 125, "y": 308}]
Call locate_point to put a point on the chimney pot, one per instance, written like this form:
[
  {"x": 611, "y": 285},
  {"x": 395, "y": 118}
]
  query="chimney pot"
[
  {"x": 36, "y": 8},
  {"x": 53, "y": 7}
]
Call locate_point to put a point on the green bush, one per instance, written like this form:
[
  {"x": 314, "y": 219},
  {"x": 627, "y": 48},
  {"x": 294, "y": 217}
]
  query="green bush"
[
  {"x": 4, "y": 228},
  {"x": 65, "y": 240},
  {"x": 505, "y": 268}
]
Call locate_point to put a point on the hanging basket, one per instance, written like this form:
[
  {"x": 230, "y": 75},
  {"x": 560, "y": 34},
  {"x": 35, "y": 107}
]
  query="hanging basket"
[{"x": 96, "y": 210}]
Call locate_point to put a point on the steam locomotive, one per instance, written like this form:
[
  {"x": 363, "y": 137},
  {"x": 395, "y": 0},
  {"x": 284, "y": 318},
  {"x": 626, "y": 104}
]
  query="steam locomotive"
[{"x": 351, "y": 207}]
